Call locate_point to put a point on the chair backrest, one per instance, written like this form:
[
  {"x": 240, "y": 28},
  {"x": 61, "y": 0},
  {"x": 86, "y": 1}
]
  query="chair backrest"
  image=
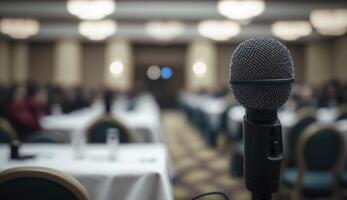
[
  {"x": 320, "y": 148},
  {"x": 306, "y": 111},
  {"x": 97, "y": 132},
  {"x": 32, "y": 183},
  {"x": 342, "y": 112},
  {"x": 293, "y": 138},
  {"x": 7, "y": 133},
  {"x": 46, "y": 137}
]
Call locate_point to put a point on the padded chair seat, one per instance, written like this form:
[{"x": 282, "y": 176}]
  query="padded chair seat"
[{"x": 316, "y": 184}]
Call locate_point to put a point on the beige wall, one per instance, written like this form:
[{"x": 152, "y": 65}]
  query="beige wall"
[
  {"x": 120, "y": 50},
  {"x": 318, "y": 62},
  {"x": 67, "y": 63},
  {"x": 93, "y": 62},
  {"x": 70, "y": 63},
  {"x": 20, "y": 59},
  {"x": 204, "y": 51},
  {"x": 340, "y": 58},
  {"x": 4, "y": 62},
  {"x": 41, "y": 62}
]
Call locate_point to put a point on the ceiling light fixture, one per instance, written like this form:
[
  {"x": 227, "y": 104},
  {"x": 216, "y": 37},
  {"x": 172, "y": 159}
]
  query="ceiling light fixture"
[
  {"x": 164, "y": 31},
  {"x": 241, "y": 10},
  {"x": 97, "y": 30},
  {"x": 291, "y": 30},
  {"x": 91, "y": 9},
  {"x": 19, "y": 28},
  {"x": 219, "y": 30},
  {"x": 329, "y": 22}
]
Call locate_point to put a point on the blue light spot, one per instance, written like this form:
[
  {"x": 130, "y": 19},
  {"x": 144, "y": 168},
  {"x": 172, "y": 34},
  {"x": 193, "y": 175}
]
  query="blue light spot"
[{"x": 166, "y": 72}]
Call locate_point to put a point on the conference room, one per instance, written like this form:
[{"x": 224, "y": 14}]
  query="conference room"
[{"x": 173, "y": 99}]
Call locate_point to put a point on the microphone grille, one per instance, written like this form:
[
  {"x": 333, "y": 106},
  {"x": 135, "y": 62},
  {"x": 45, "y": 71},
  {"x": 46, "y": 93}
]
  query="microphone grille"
[{"x": 259, "y": 59}]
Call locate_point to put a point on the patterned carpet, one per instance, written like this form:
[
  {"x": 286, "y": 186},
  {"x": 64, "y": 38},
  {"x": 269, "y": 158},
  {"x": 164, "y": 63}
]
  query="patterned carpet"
[{"x": 199, "y": 168}]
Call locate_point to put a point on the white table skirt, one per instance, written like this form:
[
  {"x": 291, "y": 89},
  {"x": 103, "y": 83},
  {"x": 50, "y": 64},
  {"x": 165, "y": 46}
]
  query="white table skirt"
[{"x": 139, "y": 173}]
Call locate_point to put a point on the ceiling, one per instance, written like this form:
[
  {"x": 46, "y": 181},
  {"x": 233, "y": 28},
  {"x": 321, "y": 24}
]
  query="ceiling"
[{"x": 131, "y": 16}]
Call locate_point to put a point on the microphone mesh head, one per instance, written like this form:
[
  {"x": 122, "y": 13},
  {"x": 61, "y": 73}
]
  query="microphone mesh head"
[{"x": 258, "y": 59}]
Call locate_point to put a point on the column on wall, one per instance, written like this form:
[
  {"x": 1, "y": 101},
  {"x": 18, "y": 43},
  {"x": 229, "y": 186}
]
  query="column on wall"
[
  {"x": 201, "y": 66},
  {"x": 319, "y": 62},
  {"x": 67, "y": 63},
  {"x": 4, "y": 62},
  {"x": 340, "y": 58},
  {"x": 118, "y": 72},
  {"x": 20, "y": 60}
]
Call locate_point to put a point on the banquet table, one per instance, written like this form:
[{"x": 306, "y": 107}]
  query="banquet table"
[
  {"x": 144, "y": 120},
  {"x": 131, "y": 176}
]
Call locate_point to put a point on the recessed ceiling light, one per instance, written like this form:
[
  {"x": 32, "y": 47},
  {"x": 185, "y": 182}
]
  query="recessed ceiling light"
[
  {"x": 91, "y": 9},
  {"x": 164, "y": 31},
  {"x": 241, "y": 10},
  {"x": 97, "y": 30},
  {"x": 219, "y": 30},
  {"x": 19, "y": 28},
  {"x": 291, "y": 30}
]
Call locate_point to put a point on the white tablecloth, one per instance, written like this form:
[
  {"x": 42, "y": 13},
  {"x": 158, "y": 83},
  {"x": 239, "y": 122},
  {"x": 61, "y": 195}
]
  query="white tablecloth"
[
  {"x": 145, "y": 120},
  {"x": 139, "y": 173},
  {"x": 212, "y": 107},
  {"x": 288, "y": 118}
]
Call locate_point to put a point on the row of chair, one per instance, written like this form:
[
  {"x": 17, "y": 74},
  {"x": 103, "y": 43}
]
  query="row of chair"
[
  {"x": 308, "y": 170},
  {"x": 96, "y": 132}
]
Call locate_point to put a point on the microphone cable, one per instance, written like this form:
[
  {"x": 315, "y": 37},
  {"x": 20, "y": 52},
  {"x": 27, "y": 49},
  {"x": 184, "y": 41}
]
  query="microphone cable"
[{"x": 210, "y": 194}]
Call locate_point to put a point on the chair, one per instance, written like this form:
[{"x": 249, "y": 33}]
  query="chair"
[
  {"x": 32, "y": 183},
  {"x": 7, "y": 133},
  {"x": 319, "y": 159},
  {"x": 342, "y": 113},
  {"x": 306, "y": 116},
  {"x": 97, "y": 132},
  {"x": 46, "y": 137}
]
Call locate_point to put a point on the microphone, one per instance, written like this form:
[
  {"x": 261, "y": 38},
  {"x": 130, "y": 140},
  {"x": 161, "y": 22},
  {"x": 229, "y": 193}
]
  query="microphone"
[{"x": 261, "y": 78}]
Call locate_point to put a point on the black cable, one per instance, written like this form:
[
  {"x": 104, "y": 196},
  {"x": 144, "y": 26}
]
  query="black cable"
[
  {"x": 211, "y": 193},
  {"x": 258, "y": 196}
]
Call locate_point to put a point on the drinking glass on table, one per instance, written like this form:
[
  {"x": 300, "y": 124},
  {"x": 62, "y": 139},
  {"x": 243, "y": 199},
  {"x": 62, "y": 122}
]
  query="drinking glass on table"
[
  {"x": 112, "y": 142},
  {"x": 78, "y": 144}
]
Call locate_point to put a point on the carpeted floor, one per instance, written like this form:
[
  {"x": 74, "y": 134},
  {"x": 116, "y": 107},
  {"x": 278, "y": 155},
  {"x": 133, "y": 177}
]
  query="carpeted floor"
[{"x": 199, "y": 168}]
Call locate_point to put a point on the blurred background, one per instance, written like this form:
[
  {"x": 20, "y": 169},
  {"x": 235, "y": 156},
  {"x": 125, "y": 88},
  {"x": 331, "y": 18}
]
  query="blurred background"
[{"x": 160, "y": 70}]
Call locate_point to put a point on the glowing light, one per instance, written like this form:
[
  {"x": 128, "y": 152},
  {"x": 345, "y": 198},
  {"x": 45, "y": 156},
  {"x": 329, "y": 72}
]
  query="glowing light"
[
  {"x": 97, "y": 30},
  {"x": 291, "y": 30},
  {"x": 166, "y": 72},
  {"x": 19, "y": 28},
  {"x": 218, "y": 30},
  {"x": 153, "y": 72},
  {"x": 241, "y": 10},
  {"x": 91, "y": 9},
  {"x": 164, "y": 31},
  {"x": 116, "y": 68},
  {"x": 199, "y": 68},
  {"x": 330, "y": 22}
]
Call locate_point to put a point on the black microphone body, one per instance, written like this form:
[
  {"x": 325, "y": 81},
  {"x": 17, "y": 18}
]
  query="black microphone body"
[
  {"x": 261, "y": 77},
  {"x": 263, "y": 152}
]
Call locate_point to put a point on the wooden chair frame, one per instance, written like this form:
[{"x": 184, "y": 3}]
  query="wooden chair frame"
[
  {"x": 68, "y": 182},
  {"x": 336, "y": 169}
]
